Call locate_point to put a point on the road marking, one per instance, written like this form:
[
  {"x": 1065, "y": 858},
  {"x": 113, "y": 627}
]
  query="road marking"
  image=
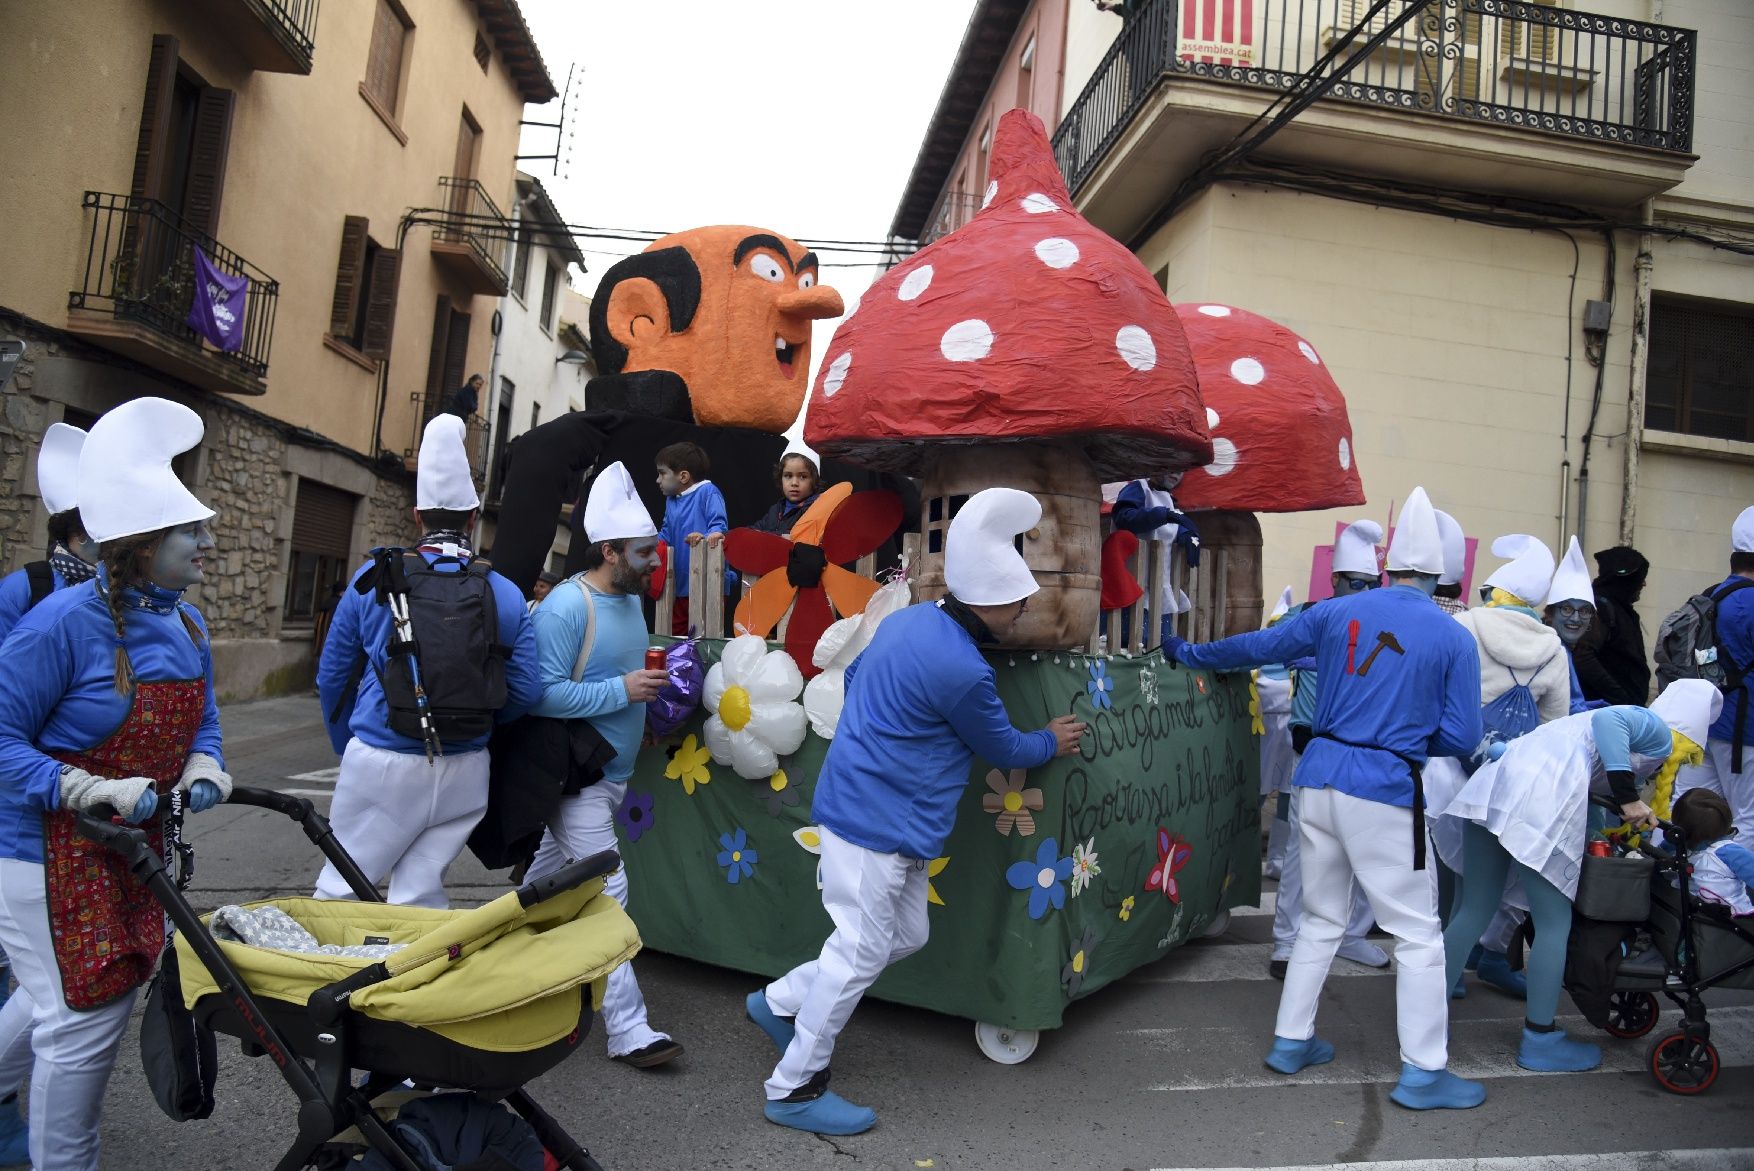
[
  {"x": 323, "y": 776},
  {"x": 1477, "y": 1049},
  {"x": 1718, "y": 1159},
  {"x": 1232, "y": 961},
  {"x": 1269, "y": 900},
  {"x": 308, "y": 792}
]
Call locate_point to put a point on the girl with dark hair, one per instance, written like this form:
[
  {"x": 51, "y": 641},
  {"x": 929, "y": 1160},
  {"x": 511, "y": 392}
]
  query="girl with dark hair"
[
  {"x": 799, "y": 483},
  {"x": 109, "y": 707}
]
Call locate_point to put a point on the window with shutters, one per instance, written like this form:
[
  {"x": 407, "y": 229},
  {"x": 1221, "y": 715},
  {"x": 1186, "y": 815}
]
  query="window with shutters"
[
  {"x": 184, "y": 140},
  {"x": 483, "y": 52},
  {"x": 1026, "y": 76},
  {"x": 392, "y": 33},
  {"x": 1700, "y": 377},
  {"x": 550, "y": 291},
  {"x": 502, "y": 436},
  {"x": 521, "y": 263},
  {"x": 362, "y": 315},
  {"x": 322, "y": 533},
  {"x": 447, "y": 366}
]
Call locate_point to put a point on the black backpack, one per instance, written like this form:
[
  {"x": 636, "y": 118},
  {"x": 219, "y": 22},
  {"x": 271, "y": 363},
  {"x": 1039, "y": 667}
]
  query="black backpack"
[
  {"x": 1687, "y": 645},
  {"x": 455, "y": 652},
  {"x": 41, "y": 576}
]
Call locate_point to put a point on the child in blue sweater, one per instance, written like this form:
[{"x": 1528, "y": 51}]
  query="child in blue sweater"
[{"x": 694, "y": 511}]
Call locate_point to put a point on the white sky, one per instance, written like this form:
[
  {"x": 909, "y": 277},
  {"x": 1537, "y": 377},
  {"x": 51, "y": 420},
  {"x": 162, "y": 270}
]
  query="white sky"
[{"x": 801, "y": 116}]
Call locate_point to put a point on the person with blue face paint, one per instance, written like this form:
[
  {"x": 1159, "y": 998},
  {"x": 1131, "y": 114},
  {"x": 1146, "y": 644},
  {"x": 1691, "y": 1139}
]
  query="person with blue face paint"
[
  {"x": 72, "y": 553},
  {"x": 109, "y": 705},
  {"x": 1400, "y": 683}
]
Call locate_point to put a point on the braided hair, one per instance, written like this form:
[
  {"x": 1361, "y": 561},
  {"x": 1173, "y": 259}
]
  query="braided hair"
[{"x": 121, "y": 564}]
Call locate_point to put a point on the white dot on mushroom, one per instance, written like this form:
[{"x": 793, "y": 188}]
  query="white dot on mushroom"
[
  {"x": 1211, "y": 418},
  {"x": 1223, "y": 458},
  {"x": 1215, "y": 310},
  {"x": 1037, "y": 203},
  {"x": 1056, "y": 252},
  {"x": 992, "y": 190},
  {"x": 967, "y": 341},
  {"x": 1136, "y": 347},
  {"x": 836, "y": 374},
  {"x": 1308, "y": 351},
  {"x": 915, "y": 283},
  {"x": 1247, "y": 371},
  {"x": 1345, "y": 454}
]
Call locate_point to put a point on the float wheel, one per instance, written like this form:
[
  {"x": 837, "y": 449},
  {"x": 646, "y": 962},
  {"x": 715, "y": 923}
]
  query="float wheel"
[
  {"x": 1005, "y": 1045},
  {"x": 1218, "y": 926}
]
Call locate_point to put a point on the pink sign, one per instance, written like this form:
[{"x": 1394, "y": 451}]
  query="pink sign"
[{"x": 1322, "y": 561}]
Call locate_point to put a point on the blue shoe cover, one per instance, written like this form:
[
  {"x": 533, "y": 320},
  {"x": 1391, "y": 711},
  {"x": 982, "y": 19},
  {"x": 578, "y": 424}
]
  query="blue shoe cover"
[
  {"x": 778, "y": 1029},
  {"x": 1556, "y": 1053},
  {"x": 1495, "y": 970},
  {"x": 1289, "y": 1056},
  {"x": 1427, "y": 1089},
  {"x": 14, "y": 1137},
  {"x": 829, "y": 1114},
  {"x": 1473, "y": 960}
]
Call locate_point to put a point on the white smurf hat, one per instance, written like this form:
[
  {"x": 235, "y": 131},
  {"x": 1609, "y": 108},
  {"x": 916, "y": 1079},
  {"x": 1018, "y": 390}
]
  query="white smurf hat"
[
  {"x": 1571, "y": 581},
  {"x": 1455, "y": 549},
  {"x": 1355, "y": 551},
  {"x": 1418, "y": 544},
  {"x": 126, "y": 484},
  {"x": 1282, "y": 609},
  {"x": 1689, "y": 706},
  {"x": 1530, "y": 570},
  {"x": 58, "y": 467},
  {"x": 982, "y": 566},
  {"x": 441, "y": 478},
  {"x": 613, "y": 511},
  {"x": 1742, "y": 534}
]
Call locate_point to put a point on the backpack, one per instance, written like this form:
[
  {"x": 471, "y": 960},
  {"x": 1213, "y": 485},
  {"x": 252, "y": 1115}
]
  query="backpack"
[
  {"x": 455, "y": 654},
  {"x": 41, "y": 576},
  {"x": 1687, "y": 646},
  {"x": 179, "y": 1055}
]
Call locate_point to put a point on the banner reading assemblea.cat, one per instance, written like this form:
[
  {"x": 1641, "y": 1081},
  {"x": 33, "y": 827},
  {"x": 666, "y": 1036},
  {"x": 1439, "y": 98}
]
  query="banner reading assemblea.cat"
[{"x": 1216, "y": 32}]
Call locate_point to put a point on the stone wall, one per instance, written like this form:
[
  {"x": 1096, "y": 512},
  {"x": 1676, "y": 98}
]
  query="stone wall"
[
  {"x": 243, "y": 483},
  {"x": 24, "y": 418}
]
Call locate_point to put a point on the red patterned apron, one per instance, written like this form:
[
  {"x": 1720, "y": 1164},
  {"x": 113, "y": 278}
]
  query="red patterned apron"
[{"x": 108, "y": 930}]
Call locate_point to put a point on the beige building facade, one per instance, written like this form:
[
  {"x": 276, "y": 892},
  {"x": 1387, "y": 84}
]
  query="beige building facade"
[{"x": 350, "y": 162}]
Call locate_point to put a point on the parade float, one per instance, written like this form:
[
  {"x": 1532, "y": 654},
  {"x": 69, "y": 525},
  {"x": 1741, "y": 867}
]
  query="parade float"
[{"x": 1026, "y": 350}]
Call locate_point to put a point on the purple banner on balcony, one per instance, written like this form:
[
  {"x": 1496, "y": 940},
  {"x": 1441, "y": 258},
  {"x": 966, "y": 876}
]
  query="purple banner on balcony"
[{"x": 217, "y": 313}]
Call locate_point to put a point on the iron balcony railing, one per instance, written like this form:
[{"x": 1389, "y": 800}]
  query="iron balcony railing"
[
  {"x": 140, "y": 265},
  {"x": 475, "y": 427},
  {"x": 473, "y": 219},
  {"x": 296, "y": 20},
  {"x": 1498, "y": 61}
]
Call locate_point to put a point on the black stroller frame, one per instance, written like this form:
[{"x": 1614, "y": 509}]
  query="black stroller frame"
[
  {"x": 1683, "y": 1061},
  {"x": 329, "y": 1102}
]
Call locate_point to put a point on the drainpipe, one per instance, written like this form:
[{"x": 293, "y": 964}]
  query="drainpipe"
[{"x": 1636, "y": 385}]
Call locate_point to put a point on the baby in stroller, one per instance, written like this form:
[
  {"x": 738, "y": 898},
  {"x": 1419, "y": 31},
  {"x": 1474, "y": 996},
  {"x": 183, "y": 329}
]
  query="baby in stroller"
[{"x": 1723, "y": 869}]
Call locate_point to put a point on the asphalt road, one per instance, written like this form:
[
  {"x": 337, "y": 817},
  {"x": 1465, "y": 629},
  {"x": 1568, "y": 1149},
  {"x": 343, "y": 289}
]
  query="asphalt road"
[{"x": 1161, "y": 1071}]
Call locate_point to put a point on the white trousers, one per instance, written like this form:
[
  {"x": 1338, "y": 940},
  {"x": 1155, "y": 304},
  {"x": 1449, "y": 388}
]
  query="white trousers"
[
  {"x": 1346, "y": 838},
  {"x": 878, "y": 905},
  {"x": 74, "y": 1051},
  {"x": 1288, "y": 906},
  {"x": 585, "y": 825},
  {"x": 1714, "y": 774},
  {"x": 401, "y": 816}
]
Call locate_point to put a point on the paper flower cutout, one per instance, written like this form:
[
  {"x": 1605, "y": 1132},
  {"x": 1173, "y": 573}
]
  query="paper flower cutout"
[
  {"x": 1126, "y": 911},
  {"x": 840, "y": 644},
  {"x": 1148, "y": 684},
  {"x": 1072, "y": 975},
  {"x": 1172, "y": 854},
  {"x": 1084, "y": 867},
  {"x": 1257, "y": 725},
  {"x": 634, "y": 816},
  {"x": 933, "y": 869},
  {"x": 810, "y": 837},
  {"x": 689, "y": 765},
  {"x": 1042, "y": 878},
  {"x": 735, "y": 857},
  {"x": 779, "y": 792},
  {"x": 1100, "y": 686},
  {"x": 752, "y": 693},
  {"x": 1011, "y": 802}
]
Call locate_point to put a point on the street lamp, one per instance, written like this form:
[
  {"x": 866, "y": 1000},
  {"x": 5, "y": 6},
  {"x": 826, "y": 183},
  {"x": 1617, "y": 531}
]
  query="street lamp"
[{"x": 578, "y": 357}]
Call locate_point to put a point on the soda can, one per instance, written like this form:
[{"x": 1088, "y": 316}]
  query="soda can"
[
  {"x": 656, "y": 659},
  {"x": 1598, "y": 848}
]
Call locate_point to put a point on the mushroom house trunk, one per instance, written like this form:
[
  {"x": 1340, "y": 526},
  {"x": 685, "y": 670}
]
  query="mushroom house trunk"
[{"x": 1063, "y": 551}]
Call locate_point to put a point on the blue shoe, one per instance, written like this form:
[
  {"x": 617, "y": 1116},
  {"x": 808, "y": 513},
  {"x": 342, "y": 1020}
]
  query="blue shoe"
[
  {"x": 1473, "y": 960},
  {"x": 1556, "y": 1053},
  {"x": 1495, "y": 970},
  {"x": 1288, "y": 1056},
  {"x": 1439, "y": 1089},
  {"x": 14, "y": 1136},
  {"x": 829, "y": 1114},
  {"x": 779, "y": 1029}
]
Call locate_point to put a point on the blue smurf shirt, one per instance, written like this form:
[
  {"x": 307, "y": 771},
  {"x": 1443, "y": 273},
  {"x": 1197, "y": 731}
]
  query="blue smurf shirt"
[
  {"x": 921, "y": 703},
  {"x": 698, "y": 509},
  {"x": 1399, "y": 678},
  {"x": 15, "y": 598}
]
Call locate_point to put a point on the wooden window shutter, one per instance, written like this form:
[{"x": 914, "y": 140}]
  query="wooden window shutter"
[
  {"x": 349, "y": 274},
  {"x": 436, "y": 390},
  {"x": 322, "y": 519},
  {"x": 383, "y": 66},
  {"x": 207, "y": 154},
  {"x": 155, "y": 119},
  {"x": 380, "y": 305},
  {"x": 457, "y": 351}
]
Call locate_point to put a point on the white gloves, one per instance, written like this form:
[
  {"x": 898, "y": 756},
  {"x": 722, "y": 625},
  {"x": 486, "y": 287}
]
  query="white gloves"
[
  {"x": 201, "y": 767},
  {"x": 80, "y": 791}
]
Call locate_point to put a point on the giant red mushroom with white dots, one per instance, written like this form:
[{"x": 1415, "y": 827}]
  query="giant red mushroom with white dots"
[
  {"x": 1026, "y": 349},
  {"x": 1281, "y": 440}
]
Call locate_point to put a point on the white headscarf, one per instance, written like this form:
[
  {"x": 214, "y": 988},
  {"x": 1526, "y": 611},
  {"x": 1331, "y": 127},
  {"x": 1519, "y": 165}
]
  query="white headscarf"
[{"x": 442, "y": 479}]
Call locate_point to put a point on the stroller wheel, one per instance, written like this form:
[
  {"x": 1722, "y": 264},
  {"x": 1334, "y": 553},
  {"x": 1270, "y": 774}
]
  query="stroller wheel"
[
  {"x": 1632, "y": 1014},
  {"x": 1683, "y": 1064}
]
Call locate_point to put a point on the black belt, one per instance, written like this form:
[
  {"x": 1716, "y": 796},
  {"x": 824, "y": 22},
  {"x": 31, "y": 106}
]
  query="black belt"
[{"x": 1418, "y": 771}]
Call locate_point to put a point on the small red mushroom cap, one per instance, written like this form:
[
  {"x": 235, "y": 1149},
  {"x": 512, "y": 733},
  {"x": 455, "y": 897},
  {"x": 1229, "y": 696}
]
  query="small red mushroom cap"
[
  {"x": 1027, "y": 324},
  {"x": 1281, "y": 441}
]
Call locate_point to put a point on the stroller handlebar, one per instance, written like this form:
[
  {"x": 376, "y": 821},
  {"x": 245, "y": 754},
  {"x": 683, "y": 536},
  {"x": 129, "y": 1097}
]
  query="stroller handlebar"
[
  {"x": 102, "y": 824},
  {"x": 296, "y": 808},
  {"x": 572, "y": 875}
]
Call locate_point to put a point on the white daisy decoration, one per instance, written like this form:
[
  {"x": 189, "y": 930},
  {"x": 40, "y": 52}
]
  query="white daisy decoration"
[{"x": 1084, "y": 866}]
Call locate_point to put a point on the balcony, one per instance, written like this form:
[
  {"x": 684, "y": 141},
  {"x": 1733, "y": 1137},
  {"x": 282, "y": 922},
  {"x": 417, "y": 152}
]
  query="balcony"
[
  {"x": 472, "y": 237},
  {"x": 1495, "y": 96},
  {"x": 475, "y": 434},
  {"x": 139, "y": 285},
  {"x": 274, "y": 36}
]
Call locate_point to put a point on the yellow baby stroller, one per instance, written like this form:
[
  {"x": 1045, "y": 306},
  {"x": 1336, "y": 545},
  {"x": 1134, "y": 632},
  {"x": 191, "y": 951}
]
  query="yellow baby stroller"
[{"x": 480, "y": 1000}]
